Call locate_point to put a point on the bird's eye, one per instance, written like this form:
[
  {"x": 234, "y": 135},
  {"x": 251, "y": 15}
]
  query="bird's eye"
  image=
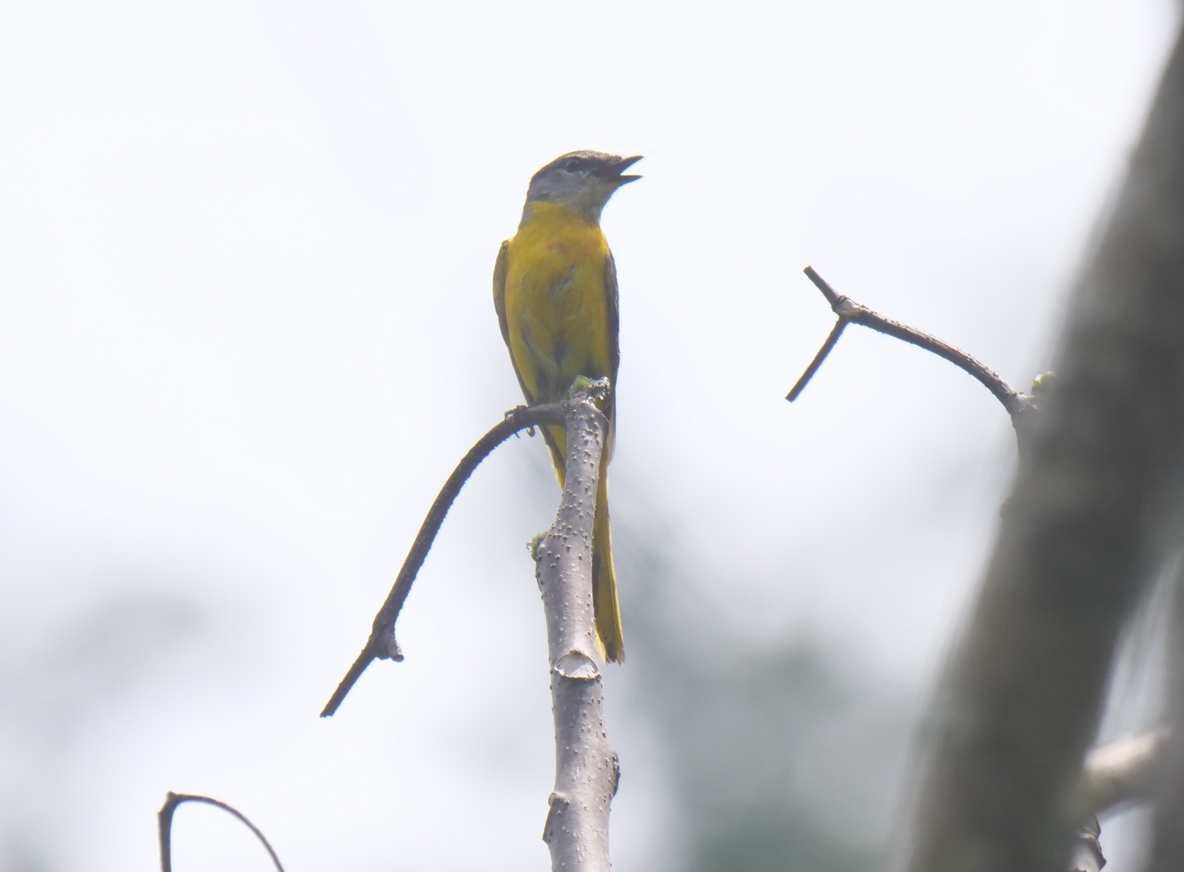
[{"x": 571, "y": 164}]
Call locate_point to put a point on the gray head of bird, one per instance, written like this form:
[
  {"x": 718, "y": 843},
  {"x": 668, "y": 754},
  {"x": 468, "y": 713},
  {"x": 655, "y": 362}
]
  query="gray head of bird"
[{"x": 581, "y": 180}]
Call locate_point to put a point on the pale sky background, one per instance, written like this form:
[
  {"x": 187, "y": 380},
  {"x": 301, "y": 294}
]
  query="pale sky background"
[{"x": 245, "y": 258}]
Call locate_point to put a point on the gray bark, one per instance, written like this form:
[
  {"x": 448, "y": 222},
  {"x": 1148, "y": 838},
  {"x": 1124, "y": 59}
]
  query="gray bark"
[
  {"x": 1087, "y": 852},
  {"x": 1168, "y": 847},
  {"x": 1020, "y": 699},
  {"x": 1123, "y": 771},
  {"x": 586, "y": 771}
]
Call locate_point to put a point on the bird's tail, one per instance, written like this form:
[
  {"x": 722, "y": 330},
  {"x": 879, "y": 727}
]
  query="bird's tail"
[
  {"x": 609, "y": 635},
  {"x": 604, "y": 579}
]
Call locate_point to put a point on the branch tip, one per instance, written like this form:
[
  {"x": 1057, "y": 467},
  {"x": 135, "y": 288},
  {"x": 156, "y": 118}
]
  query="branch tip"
[{"x": 832, "y": 296}]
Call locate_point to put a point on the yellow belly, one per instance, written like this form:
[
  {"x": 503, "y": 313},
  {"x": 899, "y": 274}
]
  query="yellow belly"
[
  {"x": 556, "y": 309},
  {"x": 557, "y": 324}
]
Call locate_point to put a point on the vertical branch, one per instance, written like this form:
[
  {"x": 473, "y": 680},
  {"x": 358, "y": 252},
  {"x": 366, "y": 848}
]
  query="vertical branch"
[
  {"x": 576, "y": 830},
  {"x": 1021, "y": 696}
]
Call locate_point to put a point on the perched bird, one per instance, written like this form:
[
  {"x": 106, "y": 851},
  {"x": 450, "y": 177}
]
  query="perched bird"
[{"x": 555, "y": 291}]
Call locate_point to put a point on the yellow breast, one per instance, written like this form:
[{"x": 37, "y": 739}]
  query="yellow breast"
[{"x": 556, "y": 308}]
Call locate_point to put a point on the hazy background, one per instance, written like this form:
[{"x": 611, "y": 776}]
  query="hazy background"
[{"x": 245, "y": 258}]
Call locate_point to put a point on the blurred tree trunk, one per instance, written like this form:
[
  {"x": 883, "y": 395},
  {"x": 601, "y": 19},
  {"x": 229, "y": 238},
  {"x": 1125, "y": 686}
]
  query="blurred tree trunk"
[
  {"x": 1081, "y": 533},
  {"x": 1168, "y": 850}
]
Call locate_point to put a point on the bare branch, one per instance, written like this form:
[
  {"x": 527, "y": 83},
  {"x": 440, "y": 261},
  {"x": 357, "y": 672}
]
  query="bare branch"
[
  {"x": 1122, "y": 771},
  {"x": 1086, "y": 855},
  {"x": 586, "y": 770},
  {"x": 382, "y": 644},
  {"x": 1021, "y": 696},
  {"x": 164, "y": 819},
  {"x": 831, "y": 341},
  {"x": 850, "y": 312}
]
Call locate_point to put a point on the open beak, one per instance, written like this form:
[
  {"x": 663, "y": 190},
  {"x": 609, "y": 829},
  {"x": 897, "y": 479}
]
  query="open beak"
[{"x": 613, "y": 171}]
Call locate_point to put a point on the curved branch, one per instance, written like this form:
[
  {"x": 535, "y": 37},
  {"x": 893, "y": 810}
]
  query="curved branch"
[
  {"x": 164, "y": 819},
  {"x": 382, "y": 644},
  {"x": 850, "y": 312}
]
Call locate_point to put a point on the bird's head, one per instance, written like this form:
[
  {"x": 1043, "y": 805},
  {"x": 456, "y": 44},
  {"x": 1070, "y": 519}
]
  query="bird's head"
[{"x": 581, "y": 180}]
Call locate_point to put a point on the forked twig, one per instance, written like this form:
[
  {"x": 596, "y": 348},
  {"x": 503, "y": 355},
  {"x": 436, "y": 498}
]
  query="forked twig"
[
  {"x": 382, "y": 644},
  {"x": 850, "y": 312},
  {"x": 164, "y": 819}
]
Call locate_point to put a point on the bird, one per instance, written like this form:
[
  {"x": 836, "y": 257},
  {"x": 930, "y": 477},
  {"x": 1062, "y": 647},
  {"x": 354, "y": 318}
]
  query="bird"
[{"x": 555, "y": 292}]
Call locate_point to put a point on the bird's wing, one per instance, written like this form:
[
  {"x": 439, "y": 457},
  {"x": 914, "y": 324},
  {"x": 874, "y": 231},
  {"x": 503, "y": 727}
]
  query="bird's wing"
[
  {"x": 499, "y": 289},
  {"x": 611, "y": 308},
  {"x": 500, "y": 269}
]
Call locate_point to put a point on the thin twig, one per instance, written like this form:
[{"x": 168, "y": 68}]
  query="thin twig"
[
  {"x": 831, "y": 341},
  {"x": 164, "y": 820},
  {"x": 850, "y": 312},
  {"x": 382, "y": 644}
]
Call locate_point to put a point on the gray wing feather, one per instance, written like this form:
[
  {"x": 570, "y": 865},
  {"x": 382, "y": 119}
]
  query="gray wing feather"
[{"x": 500, "y": 270}]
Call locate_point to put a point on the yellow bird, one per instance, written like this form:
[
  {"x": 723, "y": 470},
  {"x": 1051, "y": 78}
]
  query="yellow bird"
[{"x": 555, "y": 291}]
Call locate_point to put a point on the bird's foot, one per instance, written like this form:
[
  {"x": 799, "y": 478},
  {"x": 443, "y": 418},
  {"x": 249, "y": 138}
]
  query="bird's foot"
[{"x": 597, "y": 389}]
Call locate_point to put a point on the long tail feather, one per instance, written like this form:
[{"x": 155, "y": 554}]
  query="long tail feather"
[{"x": 604, "y": 577}]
